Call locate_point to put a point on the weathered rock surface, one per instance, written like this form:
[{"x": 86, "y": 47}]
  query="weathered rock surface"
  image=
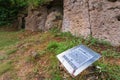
[
  {"x": 36, "y": 19},
  {"x": 54, "y": 19},
  {"x": 99, "y": 18},
  {"x": 76, "y": 17},
  {"x": 105, "y": 20}
]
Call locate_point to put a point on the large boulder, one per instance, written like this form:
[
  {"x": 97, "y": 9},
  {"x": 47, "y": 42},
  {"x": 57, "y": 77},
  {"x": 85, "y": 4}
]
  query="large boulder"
[
  {"x": 36, "y": 18},
  {"x": 54, "y": 18},
  {"x": 105, "y": 20},
  {"x": 76, "y": 17},
  {"x": 98, "y": 18}
]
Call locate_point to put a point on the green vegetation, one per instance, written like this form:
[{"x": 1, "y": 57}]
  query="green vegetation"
[
  {"x": 9, "y": 9},
  {"x": 111, "y": 53},
  {"x": 67, "y": 41},
  {"x": 54, "y": 69},
  {"x": 4, "y": 67},
  {"x": 11, "y": 51},
  {"x": 8, "y": 38},
  {"x": 2, "y": 57},
  {"x": 59, "y": 47},
  {"x": 94, "y": 41},
  {"x": 110, "y": 71},
  {"x": 36, "y": 3}
]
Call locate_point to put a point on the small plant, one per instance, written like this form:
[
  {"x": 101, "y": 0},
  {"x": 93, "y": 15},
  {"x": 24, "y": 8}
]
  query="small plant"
[{"x": 53, "y": 45}]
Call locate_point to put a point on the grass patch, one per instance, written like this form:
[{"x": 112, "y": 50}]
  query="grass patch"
[
  {"x": 2, "y": 57},
  {"x": 4, "y": 67},
  {"x": 8, "y": 38},
  {"x": 54, "y": 67},
  {"x": 69, "y": 42},
  {"x": 94, "y": 41},
  {"x": 58, "y": 47},
  {"x": 110, "y": 53},
  {"x": 111, "y": 72},
  {"x": 11, "y": 51}
]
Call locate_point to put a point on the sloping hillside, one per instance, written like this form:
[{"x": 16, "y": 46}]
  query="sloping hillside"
[{"x": 28, "y": 55}]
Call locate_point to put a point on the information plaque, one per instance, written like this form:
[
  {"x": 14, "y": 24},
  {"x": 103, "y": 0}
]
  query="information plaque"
[{"x": 76, "y": 59}]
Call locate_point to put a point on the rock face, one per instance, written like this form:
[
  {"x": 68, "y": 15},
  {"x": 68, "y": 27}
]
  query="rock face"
[
  {"x": 54, "y": 19},
  {"x": 44, "y": 18},
  {"x": 36, "y": 19},
  {"x": 105, "y": 20},
  {"x": 76, "y": 17},
  {"x": 99, "y": 18}
]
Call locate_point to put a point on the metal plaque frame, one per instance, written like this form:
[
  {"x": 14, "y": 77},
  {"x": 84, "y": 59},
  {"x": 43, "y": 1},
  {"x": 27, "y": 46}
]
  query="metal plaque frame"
[{"x": 77, "y": 59}]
